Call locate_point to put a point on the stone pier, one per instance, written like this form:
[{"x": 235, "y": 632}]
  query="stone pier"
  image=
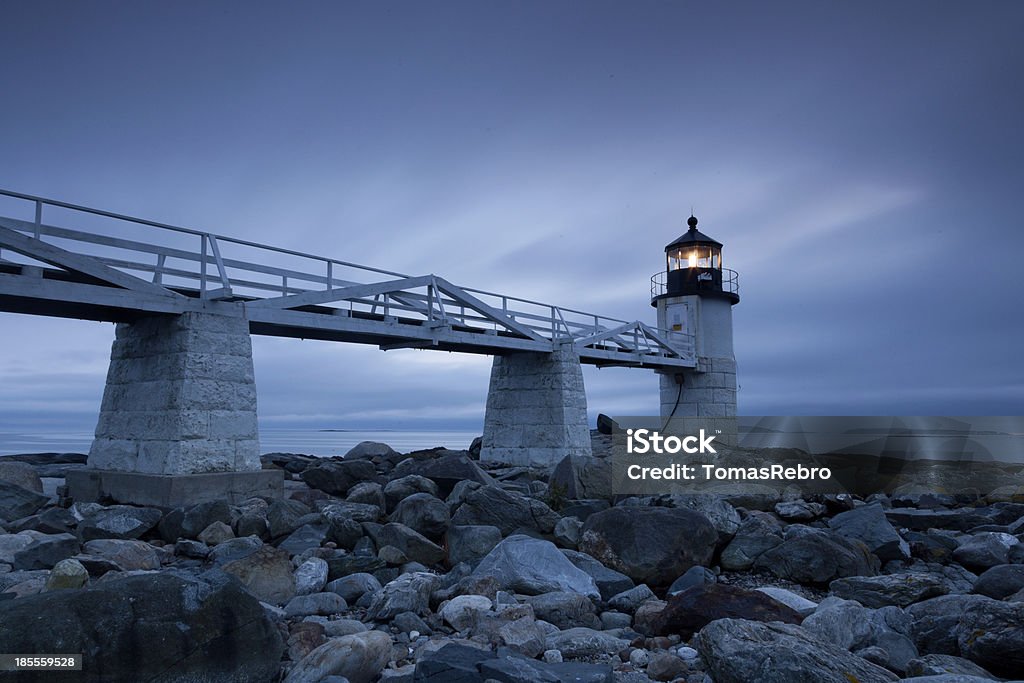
[
  {"x": 178, "y": 420},
  {"x": 536, "y": 409}
]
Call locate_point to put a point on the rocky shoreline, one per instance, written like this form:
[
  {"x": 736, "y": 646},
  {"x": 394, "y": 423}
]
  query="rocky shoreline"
[{"x": 427, "y": 566}]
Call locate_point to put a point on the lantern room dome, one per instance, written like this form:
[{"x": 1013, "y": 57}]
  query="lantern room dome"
[{"x": 691, "y": 237}]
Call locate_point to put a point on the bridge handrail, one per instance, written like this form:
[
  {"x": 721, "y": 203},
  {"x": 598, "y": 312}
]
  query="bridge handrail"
[{"x": 546, "y": 319}]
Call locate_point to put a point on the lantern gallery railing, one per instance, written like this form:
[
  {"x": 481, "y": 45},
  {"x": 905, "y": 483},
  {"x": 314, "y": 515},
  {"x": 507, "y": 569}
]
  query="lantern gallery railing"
[
  {"x": 730, "y": 283},
  {"x": 115, "y": 267}
]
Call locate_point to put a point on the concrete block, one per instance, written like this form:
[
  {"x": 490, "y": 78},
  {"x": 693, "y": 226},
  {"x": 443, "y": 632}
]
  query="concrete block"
[{"x": 169, "y": 491}]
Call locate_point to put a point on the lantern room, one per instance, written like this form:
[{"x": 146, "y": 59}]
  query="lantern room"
[{"x": 694, "y": 266}]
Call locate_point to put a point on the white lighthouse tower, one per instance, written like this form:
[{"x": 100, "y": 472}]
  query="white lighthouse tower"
[{"x": 694, "y": 296}]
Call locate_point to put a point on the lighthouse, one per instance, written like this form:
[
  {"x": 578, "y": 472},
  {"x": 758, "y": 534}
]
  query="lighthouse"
[{"x": 694, "y": 297}]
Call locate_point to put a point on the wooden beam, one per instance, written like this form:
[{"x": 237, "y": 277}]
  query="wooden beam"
[
  {"x": 323, "y": 296},
  {"x": 61, "y": 258}
]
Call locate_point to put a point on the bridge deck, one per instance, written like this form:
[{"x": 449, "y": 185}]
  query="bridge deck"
[{"x": 117, "y": 268}]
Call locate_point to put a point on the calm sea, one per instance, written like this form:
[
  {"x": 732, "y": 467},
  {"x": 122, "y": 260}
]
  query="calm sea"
[{"x": 309, "y": 442}]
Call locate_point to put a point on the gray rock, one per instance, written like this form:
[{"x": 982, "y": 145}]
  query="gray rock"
[
  {"x": 984, "y": 550},
  {"x": 809, "y": 555},
  {"x": 191, "y": 549},
  {"x": 369, "y": 492},
  {"x": 890, "y": 589},
  {"x": 694, "y": 608},
  {"x": 66, "y": 574},
  {"x": 368, "y": 450},
  {"x": 359, "y": 512},
  {"x": 118, "y": 521},
  {"x": 960, "y": 520},
  {"x": 664, "y": 666},
  {"x": 324, "y": 604},
  {"x": 283, "y": 515},
  {"x": 567, "y": 532},
  {"x": 343, "y": 627},
  {"x": 718, "y": 511},
  {"x": 523, "y": 635},
  {"x": 217, "y": 532},
  {"x": 407, "y": 593},
  {"x": 20, "y": 474},
  {"x": 234, "y": 549},
  {"x": 613, "y": 620},
  {"x": 578, "y": 643},
  {"x": 532, "y": 566},
  {"x": 583, "y": 476},
  {"x": 311, "y": 576},
  {"x": 359, "y": 658},
  {"x": 400, "y": 488},
  {"x": 412, "y": 544},
  {"x": 17, "y": 502},
  {"x": 757, "y": 534},
  {"x": 47, "y": 521},
  {"x": 609, "y": 582},
  {"x": 1001, "y": 581},
  {"x": 494, "y": 506},
  {"x": 446, "y": 471},
  {"x": 462, "y": 611},
  {"x": 336, "y": 478},
  {"x": 471, "y": 543},
  {"x": 869, "y": 525},
  {"x": 452, "y": 663},
  {"x": 354, "y": 586},
  {"x": 305, "y": 537},
  {"x": 424, "y": 513},
  {"x": 44, "y": 551},
  {"x": 266, "y": 573},
  {"x": 564, "y": 610},
  {"x": 194, "y": 631},
  {"x": 935, "y": 622},
  {"x": 126, "y": 554},
  {"x": 738, "y": 651},
  {"x": 628, "y": 601},
  {"x": 694, "y": 576},
  {"x": 650, "y": 545},
  {"x": 991, "y": 633},
  {"x": 199, "y": 517},
  {"x": 799, "y": 510},
  {"x": 938, "y": 665},
  {"x": 407, "y": 622}
]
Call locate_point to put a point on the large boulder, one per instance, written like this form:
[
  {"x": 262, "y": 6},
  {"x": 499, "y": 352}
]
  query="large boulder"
[
  {"x": 336, "y": 478},
  {"x": 266, "y": 573},
  {"x": 757, "y": 534},
  {"x": 17, "y": 501},
  {"x": 446, "y": 471},
  {"x": 494, "y": 506},
  {"x": 651, "y": 545},
  {"x": 719, "y": 512},
  {"x": 126, "y": 554},
  {"x": 412, "y": 544},
  {"x": 408, "y": 593},
  {"x": 740, "y": 650},
  {"x": 471, "y": 543},
  {"x": 1001, "y": 581},
  {"x": 935, "y": 621},
  {"x": 890, "y": 589},
  {"x": 583, "y": 476},
  {"x": 45, "y": 551},
  {"x": 608, "y": 581},
  {"x": 532, "y": 566},
  {"x": 564, "y": 609},
  {"x": 696, "y": 607},
  {"x": 152, "y": 627},
  {"x": 991, "y": 633},
  {"x": 424, "y": 513},
  {"x": 358, "y": 658},
  {"x": 21, "y": 474},
  {"x": 869, "y": 525},
  {"x": 984, "y": 550},
  {"x": 809, "y": 555},
  {"x": 118, "y": 521}
]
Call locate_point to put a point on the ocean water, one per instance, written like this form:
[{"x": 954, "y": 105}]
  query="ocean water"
[{"x": 307, "y": 441}]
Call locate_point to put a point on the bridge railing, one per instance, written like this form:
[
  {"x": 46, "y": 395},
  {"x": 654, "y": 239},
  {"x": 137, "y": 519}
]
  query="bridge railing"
[{"x": 212, "y": 266}]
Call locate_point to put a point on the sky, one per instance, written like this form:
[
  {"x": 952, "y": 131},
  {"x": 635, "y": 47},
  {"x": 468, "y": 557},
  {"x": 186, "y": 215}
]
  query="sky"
[{"x": 861, "y": 162}]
